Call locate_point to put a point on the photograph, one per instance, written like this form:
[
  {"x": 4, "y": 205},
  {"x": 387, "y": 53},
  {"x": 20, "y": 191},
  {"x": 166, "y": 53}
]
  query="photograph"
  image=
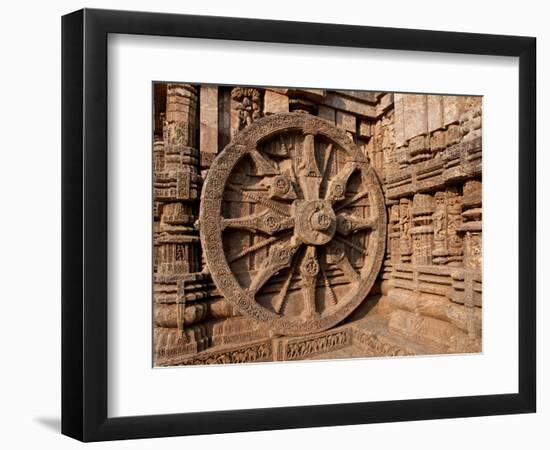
[
  {"x": 275, "y": 225},
  {"x": 272, "y": 226},
  {"x": 294, "y": 224}
]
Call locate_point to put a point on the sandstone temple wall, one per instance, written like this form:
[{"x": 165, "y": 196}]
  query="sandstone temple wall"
[{"x": 426, "y": 151}]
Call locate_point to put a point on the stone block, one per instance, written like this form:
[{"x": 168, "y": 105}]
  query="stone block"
[
  {"x": 350, "y": 105},
  {"x": 327, "y": 113},
  {"x": 346, "y": 121},
  {"x": 452, "y": 109},
  {"x": 315, "y": 95},
  {"x": 275, "y": 103},
  {"x": 418, "y": 302},
  {"x": 364, "y": 129},
  {"x": 435, "y": 112},
  {"x": 386, "y": 101},
  {"x": 209, "y": 119},
  {"x": 415, "y": 115},
  {"x": 399, "y": 120},
  {"x": 424, "y": 330}
]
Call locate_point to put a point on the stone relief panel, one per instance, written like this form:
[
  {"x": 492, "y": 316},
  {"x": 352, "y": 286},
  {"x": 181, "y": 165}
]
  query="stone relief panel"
[{"x": 293, "y": 223}]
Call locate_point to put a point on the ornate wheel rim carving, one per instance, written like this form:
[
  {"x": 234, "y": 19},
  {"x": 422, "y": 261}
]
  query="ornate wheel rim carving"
[{"x": 298, "y": 187}]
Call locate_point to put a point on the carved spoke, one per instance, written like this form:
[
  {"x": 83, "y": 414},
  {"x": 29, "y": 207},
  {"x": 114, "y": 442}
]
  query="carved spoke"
[
  {"x": 253, "y": 248},
  {"x": 268, "y": 222},
  {"x": 264, "y": 166},
  {"x": 337, "y": 187},
  {"x": 309, "y": 176},
  {"x": 328, "y": 287},
  {"x": 309, "y": 269},
  {"x": 337, "y": 255},
  {"x": 280, "y": 256},
  {"x": 262, "y": 200},
  {"x": 281, "y": 296},
  {"x": 352, "y": 200},
  {"x": 349, "y": 223},
  {"x": 351, "y": 245},
  {"x": 326, "y": 161}
]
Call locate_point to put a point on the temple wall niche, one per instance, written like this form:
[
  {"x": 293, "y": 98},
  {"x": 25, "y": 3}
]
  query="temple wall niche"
[{"x": 426, "y": 152}]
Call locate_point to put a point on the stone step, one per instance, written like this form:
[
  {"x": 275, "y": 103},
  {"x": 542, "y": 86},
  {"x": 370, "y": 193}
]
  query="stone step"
[{"x": 373, "y": 336}]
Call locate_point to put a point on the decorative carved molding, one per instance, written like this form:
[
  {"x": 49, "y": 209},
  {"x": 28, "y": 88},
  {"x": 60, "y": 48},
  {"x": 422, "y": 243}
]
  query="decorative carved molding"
[
  {"x": 245, "y": 354},
  {"x": 376, "y": 345},
  {"x": 303, "y": 348}
]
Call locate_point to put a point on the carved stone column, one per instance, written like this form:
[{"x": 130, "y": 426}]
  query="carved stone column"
[
  {"x": 454, "y": 222},
  {"x": 470, "y": 120},
  {"x": 178, "y": 184},
  {"x": 439, "y": 220},
  {"x": 452, "y": 109},
  {"x": 468, "y": 279},
  {"x": 405, "y": 243},
  {"x": 394, "y": 234},
  {"x": 209, "y": 145},
  {"x": 471, "y": 229},
  {"x": 158, "y": 167},
  {"x": 176, "y": 187},
  {"x": 422, "y": 231},
  {"x": 472, "y": 224}
]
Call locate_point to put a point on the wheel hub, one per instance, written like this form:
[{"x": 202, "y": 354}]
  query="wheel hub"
[{"x": 315, "y": 221}]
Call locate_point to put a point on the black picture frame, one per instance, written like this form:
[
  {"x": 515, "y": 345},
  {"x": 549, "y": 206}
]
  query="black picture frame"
[{"x": 84, "y": 224}]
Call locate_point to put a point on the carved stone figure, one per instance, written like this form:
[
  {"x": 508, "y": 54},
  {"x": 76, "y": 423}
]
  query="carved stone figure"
[
  {"x": 454, "y": 222},
  {"x": 248, "y": 105},
  {"x": 405, "y": 243},
  {"x": 439, "y": 220}
]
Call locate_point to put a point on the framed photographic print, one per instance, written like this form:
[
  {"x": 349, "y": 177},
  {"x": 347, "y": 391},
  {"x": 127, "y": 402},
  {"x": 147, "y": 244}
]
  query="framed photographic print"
[{"x": 315, "y": 224}]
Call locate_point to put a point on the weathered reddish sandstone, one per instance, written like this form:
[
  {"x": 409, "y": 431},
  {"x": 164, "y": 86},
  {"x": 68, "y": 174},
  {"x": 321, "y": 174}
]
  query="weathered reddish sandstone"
[{"x": 295, "y": 224}]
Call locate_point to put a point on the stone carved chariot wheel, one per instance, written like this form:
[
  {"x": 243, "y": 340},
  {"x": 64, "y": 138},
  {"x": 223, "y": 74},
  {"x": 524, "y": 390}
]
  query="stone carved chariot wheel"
[{"x": 293, "y": 223}]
